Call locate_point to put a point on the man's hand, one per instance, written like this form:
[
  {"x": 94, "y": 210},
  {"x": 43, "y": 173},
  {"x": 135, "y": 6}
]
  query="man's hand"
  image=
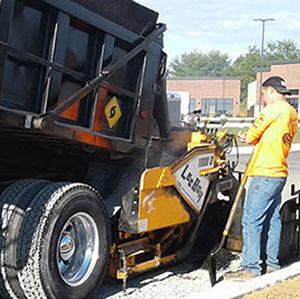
[{"x": 243, "y": 136}]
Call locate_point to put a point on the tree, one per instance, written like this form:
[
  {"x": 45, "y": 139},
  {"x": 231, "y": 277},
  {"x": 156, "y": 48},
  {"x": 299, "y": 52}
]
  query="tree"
[
  {"x": 246, "y": 65},
  {"x": 282, "y": 50},
  {"x": 198, "y": 64},
  {"x": 216, "y": 64}
]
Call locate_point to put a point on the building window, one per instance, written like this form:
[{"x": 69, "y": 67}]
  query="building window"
[
  {"x": 192, "y": 105},
  {"x": 217, "y": 107},
  {"x": 294, "y": 92},
  {"x": 293, "y": 102}
]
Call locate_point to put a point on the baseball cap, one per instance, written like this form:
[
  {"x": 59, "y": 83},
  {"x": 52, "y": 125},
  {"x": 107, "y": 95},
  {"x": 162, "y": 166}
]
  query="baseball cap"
[{"x": 278, "y": 84}]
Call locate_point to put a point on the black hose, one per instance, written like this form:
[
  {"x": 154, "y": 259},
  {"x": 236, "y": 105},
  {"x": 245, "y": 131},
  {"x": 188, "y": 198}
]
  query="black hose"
[{"x": 227, "y": 146}]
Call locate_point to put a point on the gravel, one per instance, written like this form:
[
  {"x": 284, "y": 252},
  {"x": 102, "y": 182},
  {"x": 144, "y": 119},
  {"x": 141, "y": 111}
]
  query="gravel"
[
  {"x": 179, "y": 281},
  {"x": 190, "y": 280}
]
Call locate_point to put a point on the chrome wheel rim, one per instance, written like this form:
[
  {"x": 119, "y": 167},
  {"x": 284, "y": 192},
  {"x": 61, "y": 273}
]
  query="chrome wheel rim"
[{"x": 78, "y": 249}]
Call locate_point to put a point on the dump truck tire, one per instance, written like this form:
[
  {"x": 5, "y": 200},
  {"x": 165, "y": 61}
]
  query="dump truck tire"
[
  {"x": 65, "y": 243},
  {"x": 14, "y": 201}
]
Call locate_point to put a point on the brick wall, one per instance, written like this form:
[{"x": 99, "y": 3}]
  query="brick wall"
[
  {"x": 209, "y": 88},
  {"x": 289, "y": 71}
]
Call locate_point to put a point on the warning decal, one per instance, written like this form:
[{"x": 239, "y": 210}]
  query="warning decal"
[{"x": 113, "y": 112}]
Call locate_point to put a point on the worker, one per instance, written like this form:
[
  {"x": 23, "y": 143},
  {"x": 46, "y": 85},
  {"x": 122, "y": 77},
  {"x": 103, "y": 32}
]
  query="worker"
[{"x": 272, "y": 134}]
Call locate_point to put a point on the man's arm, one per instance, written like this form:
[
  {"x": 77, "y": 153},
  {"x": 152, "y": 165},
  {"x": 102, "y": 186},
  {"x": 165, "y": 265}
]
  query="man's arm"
[{"x": 257, "y": 129}]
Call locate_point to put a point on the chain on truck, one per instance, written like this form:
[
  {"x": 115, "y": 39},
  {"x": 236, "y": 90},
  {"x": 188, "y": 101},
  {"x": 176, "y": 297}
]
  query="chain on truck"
[{"x": 93, "y": 179}]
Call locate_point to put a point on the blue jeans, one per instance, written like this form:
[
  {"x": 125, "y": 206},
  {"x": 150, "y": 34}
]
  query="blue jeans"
[{"x": 262, "y": 223}]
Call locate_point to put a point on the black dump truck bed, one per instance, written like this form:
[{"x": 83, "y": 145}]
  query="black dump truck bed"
[
  {"x": 86, "y": 71},
  {"x": 141, "y": 20},
  {"x": 82, "y": 91}
]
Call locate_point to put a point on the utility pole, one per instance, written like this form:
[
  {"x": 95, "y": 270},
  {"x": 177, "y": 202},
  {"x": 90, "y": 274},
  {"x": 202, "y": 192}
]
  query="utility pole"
[{"x": 262, "y": 54}]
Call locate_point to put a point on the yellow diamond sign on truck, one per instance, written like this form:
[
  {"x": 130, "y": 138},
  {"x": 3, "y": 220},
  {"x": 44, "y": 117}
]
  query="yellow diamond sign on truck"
[{"x": 113, "y": 112}]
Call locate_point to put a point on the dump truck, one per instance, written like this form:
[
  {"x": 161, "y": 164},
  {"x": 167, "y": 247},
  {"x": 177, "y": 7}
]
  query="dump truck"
[{"x": 94, "y": 181}]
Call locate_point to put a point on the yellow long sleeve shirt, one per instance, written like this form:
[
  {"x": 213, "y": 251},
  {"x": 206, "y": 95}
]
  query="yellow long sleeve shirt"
[{"x": 272, "y": 133}]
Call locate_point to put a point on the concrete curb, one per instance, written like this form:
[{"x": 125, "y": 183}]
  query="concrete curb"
[
  {"x": 249, "y": 149},
  {"x": 231, "y": 289}
]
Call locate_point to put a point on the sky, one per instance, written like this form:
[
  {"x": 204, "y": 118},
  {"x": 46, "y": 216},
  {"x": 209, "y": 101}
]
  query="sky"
[{"x": 224, "y": 25}]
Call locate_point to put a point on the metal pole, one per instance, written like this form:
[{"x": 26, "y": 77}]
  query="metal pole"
[
  {"x": 262, "y": 56},
  {"x": 261, "y": 64}
]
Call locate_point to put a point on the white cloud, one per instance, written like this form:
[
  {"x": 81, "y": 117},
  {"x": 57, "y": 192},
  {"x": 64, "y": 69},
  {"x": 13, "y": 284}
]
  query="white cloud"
[
  {"x": 224, "y": 25},
  {"x": 192, "y": 33}
]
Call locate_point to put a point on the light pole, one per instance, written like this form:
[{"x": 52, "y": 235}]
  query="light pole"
[{"x": 262, "y": 54}]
